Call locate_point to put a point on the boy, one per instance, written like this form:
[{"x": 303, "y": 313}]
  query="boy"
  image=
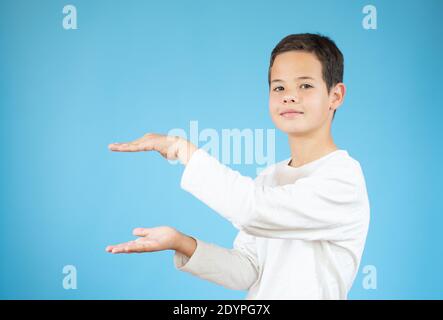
[{"x": 303, "y": 221}]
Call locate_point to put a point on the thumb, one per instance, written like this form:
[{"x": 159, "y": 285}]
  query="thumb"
[{"x": 140, "y": 232}]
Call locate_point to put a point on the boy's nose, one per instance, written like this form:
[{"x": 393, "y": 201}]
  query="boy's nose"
[{"x": 289, "y": 99}]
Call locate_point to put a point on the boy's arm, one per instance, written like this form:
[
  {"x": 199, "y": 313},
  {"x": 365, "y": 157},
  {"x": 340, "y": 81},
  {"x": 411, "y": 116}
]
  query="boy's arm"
[
  {"x": 186, "y": 245},
  {"x": 328, "y": 207},
  {"x": 235, "y": 268}
]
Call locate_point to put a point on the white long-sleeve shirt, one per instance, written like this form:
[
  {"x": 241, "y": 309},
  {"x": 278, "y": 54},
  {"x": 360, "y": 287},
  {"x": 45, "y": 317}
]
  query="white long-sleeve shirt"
[{"x": 301, "y": 230}]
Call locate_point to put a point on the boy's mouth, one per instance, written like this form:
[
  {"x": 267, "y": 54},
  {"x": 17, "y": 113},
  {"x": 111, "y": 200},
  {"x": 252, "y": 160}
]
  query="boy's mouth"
[{"x": 291, "y": 113}]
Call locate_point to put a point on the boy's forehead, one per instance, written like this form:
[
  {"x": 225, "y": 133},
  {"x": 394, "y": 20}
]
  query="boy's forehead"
[{"x": 296, "y": 64}]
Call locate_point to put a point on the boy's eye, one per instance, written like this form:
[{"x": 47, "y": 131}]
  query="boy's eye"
[{"x": 303, "y": 86}]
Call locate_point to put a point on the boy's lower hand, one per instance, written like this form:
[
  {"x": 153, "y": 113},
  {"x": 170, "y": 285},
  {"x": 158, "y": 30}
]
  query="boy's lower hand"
[
  {"x": 151, "y": 239},
  {"x": 170, "y": 147}
]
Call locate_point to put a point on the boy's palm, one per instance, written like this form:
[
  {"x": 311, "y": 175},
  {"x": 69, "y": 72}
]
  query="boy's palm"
[{"x": 151, "y": 239}]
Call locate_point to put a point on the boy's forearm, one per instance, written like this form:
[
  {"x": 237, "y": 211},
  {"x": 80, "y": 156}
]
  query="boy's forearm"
[{"x": 186, "y": 245}]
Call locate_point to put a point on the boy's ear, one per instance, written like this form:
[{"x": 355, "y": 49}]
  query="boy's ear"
[{"x": 337, "y": 96}]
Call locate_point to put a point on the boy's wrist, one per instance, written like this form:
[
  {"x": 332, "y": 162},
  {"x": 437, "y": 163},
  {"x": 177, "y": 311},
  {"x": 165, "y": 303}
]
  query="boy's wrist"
[
  {"x": 184, "y": 244},
  {"x": 185, "y": 151}
]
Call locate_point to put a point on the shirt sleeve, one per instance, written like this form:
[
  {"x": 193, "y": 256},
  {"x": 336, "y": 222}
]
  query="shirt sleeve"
[
  {"x": 329, "y": 206},
  {"x": 235, "y": 268}
]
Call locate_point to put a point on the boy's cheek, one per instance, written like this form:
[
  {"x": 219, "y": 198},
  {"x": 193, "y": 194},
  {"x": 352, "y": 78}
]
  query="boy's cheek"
[
  {"x": 273, "y": 105},
  {"x": 273, "y": 99},
  {"x": 274, "y": 113}
]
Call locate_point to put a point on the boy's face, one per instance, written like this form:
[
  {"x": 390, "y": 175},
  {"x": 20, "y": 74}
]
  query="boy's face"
[{"x": 302, "y": 89}]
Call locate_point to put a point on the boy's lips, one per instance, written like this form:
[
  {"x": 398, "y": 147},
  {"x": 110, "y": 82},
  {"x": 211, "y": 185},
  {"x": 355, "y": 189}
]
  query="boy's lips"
[{"x": 291, "y": 113}]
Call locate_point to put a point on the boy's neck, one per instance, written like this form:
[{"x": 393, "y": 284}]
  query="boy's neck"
[{"x": 305, "y": 149}]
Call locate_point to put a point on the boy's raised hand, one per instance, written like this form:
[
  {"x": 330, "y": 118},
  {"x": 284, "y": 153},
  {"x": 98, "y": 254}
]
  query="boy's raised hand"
[
  {"x": 170, "y": 147},
  {"x": 151, "y": 239}
]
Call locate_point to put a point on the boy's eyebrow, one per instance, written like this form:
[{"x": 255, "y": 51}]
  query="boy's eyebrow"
[{"x": 300, "y": 78}]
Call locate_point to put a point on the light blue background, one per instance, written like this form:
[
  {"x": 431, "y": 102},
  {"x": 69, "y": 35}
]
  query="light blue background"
[{"x": 149, "y": 66}]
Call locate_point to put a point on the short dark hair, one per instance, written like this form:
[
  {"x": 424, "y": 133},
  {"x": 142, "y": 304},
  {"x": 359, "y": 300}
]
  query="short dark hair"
[{"x": 325, "y": 50}]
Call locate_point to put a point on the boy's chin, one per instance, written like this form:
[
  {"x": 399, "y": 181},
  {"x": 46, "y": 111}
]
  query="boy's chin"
[{"x": 292, "y": 129}]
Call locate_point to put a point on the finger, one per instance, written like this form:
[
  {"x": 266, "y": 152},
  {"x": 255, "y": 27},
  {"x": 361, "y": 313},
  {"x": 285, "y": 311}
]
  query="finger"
[
  {"x": 140, "y": 232},
  {"x": 130, "y": 248},
  {"x": 121, "y": 146},
  {"x": 120, "y": 245},
  {"x": 132, "y": 146},
  {"x": 120, "y": 249},
  {"x": 125, "y": 147},
  {"x": 110, "y": 247}
]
